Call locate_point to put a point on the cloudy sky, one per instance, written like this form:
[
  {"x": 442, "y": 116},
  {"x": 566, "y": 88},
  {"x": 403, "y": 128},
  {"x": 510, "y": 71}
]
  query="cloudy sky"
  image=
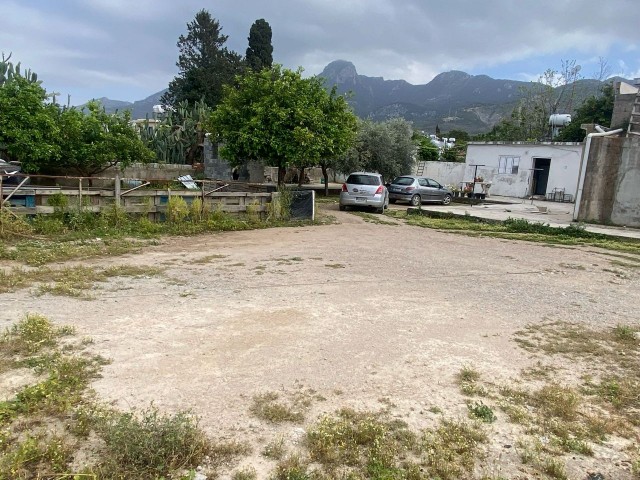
[{"x": 126, "y": 49}]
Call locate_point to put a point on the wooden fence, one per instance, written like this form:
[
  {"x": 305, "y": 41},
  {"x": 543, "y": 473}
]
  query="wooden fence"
[{"x": 23, "y": 199}]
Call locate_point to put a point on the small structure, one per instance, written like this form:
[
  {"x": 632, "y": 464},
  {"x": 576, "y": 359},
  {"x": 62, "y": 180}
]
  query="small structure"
[{"x": 523, "y": 169}]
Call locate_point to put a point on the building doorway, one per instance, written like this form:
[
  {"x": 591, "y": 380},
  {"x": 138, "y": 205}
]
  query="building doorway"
[{"x": 541, "y": 168}]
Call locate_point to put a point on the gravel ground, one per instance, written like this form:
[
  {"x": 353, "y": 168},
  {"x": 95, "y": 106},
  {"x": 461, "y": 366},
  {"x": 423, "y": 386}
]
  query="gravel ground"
[{"x": 364, "y": 314}]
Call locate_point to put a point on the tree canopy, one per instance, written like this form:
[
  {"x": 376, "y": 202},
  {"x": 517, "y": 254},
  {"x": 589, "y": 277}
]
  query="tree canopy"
[
  {"x": 427, "y": 151},
  {"x": 260, "y": 51},
  {"x": 94, "y": 141},
  {"x": 205, "y": 64},
  {"x": 596, "y": 109},
  {"x": 29, "y": 132},
  {"x": 278, "y": 117},
  {"x": 386, "y": 147},
  {"x": 46, "y": 138}
]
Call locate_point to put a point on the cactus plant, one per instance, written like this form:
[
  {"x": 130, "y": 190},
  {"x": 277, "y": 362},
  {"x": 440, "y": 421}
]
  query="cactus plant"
[
  {"x": 8, "y": 70},
  {"x": 179, "y": 136}
]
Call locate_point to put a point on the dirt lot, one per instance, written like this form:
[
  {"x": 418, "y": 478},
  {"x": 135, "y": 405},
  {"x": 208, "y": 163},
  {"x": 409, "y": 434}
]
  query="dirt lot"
[{"x": 366, "y": 315}]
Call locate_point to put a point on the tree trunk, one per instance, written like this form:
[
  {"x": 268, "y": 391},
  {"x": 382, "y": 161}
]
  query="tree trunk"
[
  {"x": 325, "y": 174},
  {"x": 300, "y": 176},
  {"x": 282, "y": 171}
]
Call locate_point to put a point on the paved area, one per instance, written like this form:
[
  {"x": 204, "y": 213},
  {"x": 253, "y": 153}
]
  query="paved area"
[{"x": 552, "y": 213}]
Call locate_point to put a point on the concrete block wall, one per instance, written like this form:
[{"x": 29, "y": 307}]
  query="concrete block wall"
[{"x": 610, "y": 193}]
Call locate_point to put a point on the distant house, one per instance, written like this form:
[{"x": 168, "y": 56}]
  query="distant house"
[{"x": 520, "y": 169}]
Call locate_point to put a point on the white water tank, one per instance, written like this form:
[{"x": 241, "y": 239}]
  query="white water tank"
[{"x": 560, "y": 119}]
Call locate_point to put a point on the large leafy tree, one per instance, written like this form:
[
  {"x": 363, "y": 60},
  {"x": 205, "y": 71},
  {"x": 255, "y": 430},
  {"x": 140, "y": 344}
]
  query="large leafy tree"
[
  {"x": 260, "y": 51},
  {"x": 93, "y": 141},
  {"x": 29, "y": 131},
  {"x": 594, "y": 110},
  {"x": 205, "y": 64},
  {"x": 278, "y": 117},
  {"x": 387, "y": 148}
]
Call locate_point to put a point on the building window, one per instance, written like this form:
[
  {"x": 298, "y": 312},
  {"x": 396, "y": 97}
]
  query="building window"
[{"x": 508, "y": 165}]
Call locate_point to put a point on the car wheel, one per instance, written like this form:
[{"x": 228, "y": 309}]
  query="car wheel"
[
  {"x": 446, "y": 200},
  {"x": 392, "y": 200},
  {"x": 416, "y": 200},
  {"x": 342, "y": 207},
  {"x": 380, "y": 210}
]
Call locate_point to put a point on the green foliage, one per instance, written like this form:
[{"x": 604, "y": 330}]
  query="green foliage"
[
  {"x": 596, "y": 109},
  {"x": 367, "y": 441},
  {"x": 177, "y": 209},
  {"x": 38, "y": 456},
  {"x": 282, "y": 119},
  {"x": 93, "y": 141},
  {"x": 451, "y": 448},
  {"x": 260, "y": 51},
  {"x": 9, "y": 71},
  {"x": 386, "y": 148},
  {"x": 205, "y": 64},
  {"x": 480, "y": 411},
  {"x": 29, "y": 131},
  {"x": 149, "y": 444},
  {"x": 179, "y": 136},
  {"x": 427, "y": 151},
  {"x": 268, "y": 407}
]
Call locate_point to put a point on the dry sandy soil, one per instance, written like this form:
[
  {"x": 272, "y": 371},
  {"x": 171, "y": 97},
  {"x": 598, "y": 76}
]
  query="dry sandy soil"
[{"x": 366, "y": 315}]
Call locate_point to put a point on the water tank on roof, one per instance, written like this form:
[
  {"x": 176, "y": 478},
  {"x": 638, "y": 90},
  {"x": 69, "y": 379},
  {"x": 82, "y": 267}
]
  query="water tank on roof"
[{"x": 559, "y": 119}]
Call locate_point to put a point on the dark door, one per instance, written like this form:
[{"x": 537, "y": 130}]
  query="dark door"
[{"x": 540, "y": 176}]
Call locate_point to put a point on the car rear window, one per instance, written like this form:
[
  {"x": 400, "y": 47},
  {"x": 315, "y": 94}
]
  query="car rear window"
[
  {"x": 363, "y": 180},
  {"x": 403, "y": 181}
]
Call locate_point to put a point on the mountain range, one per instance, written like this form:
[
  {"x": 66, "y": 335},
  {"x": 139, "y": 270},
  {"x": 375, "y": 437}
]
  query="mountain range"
[{"x": 452, "y": 100}]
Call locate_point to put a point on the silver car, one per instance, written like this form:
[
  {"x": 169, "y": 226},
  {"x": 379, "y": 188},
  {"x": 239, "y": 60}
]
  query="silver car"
[
  {"x": 416, "y": 190},
  {"x": 364, "y": 189}
]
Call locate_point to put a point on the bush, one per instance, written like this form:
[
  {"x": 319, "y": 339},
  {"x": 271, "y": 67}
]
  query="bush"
[
  {"x": 177, "y": 210},
  {"x": 150, "y": 445}
]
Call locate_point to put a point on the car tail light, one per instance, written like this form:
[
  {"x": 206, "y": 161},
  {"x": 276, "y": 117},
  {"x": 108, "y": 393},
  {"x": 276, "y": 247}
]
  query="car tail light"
[
  {"x": 344, "y": 187},
  {"x": 408, "y": 189},
  {"x": 379, "y": 190}
]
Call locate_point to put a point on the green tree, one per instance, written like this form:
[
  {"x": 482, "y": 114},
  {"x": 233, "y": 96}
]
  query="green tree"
[
  {"x": 205, "y": 64},
  {"x": 28, "y": 128},
  {"x": 260, "y": 51},
  {"x": 459, "y": 135},
  {"x": 427, "y": 151},
  {"x": 94, "y": 141},
  {"x": 278, "y": 117},
  {"x": 596, "y": 109},
  {"x": 387, "y": 148}
]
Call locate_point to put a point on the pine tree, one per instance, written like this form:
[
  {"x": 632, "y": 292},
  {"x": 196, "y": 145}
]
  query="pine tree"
[
  {"x": 205, "y": 64},
  {"x": 260, "y": 51}
]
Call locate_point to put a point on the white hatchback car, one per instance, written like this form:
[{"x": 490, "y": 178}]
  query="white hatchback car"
[{"x": 364, "y": 189}]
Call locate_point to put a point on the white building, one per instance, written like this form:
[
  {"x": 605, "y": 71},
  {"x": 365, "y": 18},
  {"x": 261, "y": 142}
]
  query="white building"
[{"x": 519, "y": 169}]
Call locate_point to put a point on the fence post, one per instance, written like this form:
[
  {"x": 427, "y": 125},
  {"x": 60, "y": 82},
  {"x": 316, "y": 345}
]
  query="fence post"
[
  {"x": 80, "y": 193},
  {"x": 1, "y": 195},
  {"x": 117, "y": 190}
]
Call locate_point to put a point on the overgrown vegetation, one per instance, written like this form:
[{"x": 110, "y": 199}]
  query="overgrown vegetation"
[
  {"x": 54, "y": 420},
  {"x": 74, "y": 233}
]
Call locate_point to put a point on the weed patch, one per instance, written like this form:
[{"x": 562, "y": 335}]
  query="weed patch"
[
  {"x": 145, "y": 444},
  {"x": 269, "y": 407}
]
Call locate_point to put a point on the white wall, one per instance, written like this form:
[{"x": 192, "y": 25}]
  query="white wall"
[
  {"x": 563, "y": 170},
  {"x": 446, "y": 173}
]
